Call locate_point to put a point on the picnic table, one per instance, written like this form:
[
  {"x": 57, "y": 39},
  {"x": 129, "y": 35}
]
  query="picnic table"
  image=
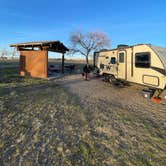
[
  {"x": 70, "y": 67},
  {"x": 54, "y": 68}
]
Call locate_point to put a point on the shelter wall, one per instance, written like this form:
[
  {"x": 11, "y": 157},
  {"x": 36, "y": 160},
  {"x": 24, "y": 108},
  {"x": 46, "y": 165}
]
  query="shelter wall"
[{"x": 34, "y": 63}]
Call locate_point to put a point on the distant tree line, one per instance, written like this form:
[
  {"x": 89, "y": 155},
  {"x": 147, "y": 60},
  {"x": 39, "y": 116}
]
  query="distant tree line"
[{"x": 6, "y": 54}]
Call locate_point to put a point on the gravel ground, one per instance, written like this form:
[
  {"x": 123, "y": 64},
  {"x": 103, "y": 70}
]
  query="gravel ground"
[{"x": 128, "y": 97}]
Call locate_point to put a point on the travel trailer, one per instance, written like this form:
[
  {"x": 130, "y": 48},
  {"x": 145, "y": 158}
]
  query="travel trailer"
[{"x": 143, "y": 64}]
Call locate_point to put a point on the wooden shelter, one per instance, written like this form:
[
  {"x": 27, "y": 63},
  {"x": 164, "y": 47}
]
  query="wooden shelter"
[{"x": 34, "y": 57}]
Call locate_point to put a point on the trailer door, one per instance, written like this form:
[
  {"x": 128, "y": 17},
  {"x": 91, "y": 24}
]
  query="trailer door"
[{"x": 122, "y": 65}]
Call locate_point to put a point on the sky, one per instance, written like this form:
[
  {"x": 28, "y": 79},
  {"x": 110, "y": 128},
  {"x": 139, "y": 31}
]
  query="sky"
[{"x": 125, "y": 21}]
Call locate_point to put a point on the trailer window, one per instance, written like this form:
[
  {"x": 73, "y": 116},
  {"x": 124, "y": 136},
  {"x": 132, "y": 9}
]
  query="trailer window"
[
  {"x": 121, "y": 57},
  {"x": 113, "y": 60},
  {"x": 142, "y": 60}
]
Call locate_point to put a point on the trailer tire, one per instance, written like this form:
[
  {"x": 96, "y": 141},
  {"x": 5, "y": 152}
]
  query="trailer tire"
[{"x": 112, "y": 79}]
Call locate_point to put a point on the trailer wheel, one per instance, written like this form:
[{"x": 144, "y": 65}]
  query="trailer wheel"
[
  {"x": 106, "y": 78},
  {"x": 121, "y": 84},
  {"x": 112, "y": 79}
]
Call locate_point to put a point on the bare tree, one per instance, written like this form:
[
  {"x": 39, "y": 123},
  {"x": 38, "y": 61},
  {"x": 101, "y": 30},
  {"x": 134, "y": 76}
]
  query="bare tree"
[
  {"x": 3, "y": 54},
  {"x": 87, "y": 43},
  {"x": 7, "y": 54},
  {"x": 14, "y": 53}
]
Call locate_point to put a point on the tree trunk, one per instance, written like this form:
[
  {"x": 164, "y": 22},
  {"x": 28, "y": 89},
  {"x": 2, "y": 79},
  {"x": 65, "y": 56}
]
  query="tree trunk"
[{"x": 87, "y": 60}]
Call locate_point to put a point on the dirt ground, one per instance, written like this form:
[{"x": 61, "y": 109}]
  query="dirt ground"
[
  {"x": 70, "y": 122},
  {"x": 127, "y": 97},
  {"x": 136, "y": 117}
]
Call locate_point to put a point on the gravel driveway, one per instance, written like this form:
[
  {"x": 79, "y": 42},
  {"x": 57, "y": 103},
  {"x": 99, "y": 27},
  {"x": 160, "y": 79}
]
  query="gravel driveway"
[{"x": 128, "y": 97}]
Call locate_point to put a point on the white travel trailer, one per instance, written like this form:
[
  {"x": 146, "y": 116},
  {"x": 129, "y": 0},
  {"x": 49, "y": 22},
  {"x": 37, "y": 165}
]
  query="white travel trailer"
[{"x": 142, "y": 64}]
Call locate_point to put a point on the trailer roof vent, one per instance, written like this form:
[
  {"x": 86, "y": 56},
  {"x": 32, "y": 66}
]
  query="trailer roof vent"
[{"x": 120, "y": 46}]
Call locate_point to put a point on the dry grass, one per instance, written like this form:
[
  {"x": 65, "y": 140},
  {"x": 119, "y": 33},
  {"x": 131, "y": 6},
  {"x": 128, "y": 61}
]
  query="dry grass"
[{"x": 43, "y": 124}]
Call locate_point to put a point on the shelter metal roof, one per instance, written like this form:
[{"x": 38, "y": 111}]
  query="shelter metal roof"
[
  {"x": 52, "y": 45},
  {"x": 161, "y": 52}
]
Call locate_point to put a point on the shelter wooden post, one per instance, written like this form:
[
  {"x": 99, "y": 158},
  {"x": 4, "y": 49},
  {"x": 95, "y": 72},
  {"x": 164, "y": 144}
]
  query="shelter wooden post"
[{"x": 63, "y": 59}]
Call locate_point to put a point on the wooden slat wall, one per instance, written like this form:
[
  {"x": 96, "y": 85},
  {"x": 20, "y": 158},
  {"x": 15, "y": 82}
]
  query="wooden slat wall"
[{"x": 34, "y": 63}]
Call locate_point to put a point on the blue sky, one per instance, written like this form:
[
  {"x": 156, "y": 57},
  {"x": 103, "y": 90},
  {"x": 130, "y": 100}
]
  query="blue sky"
[{"x": 126, "y": 22}]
